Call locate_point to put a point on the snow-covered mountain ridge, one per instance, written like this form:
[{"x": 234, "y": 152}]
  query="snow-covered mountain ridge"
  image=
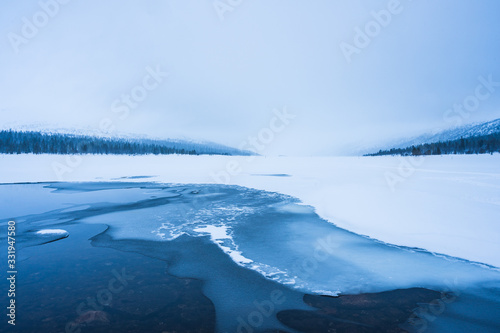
[{"x": 466, "y": 131}]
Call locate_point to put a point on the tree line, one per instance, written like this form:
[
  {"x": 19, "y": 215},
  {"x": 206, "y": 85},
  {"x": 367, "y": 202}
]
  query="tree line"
[
  {"x": 23, "y": 142},
  {"x": 482, "y": 144}
]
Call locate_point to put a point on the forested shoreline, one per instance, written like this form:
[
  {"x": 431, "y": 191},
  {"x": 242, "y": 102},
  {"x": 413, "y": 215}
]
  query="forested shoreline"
[
  {"x": 483, "y": 144},
  {"x": 26, "y": 142}
]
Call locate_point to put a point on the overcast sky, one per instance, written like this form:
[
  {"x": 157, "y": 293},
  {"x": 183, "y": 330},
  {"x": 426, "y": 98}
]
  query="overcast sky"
[{"x": 73, "y": 65}]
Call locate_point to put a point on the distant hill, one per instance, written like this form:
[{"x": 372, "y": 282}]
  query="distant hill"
[
  {"x": 481, "y": 138},
  {"x": 38, "y": 142},
  {"x": 478, "y": 129}
]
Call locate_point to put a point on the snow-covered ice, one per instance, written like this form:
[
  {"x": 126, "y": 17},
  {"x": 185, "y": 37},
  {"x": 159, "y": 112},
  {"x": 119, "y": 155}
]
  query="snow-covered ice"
[
  {"x": 232, "y": 236},
  {"x": 52, "y": 232},
  {"x": 444, "y": 204}
]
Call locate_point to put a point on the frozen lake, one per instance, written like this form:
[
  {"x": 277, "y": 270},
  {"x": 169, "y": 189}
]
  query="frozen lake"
[{"x": 252, "y": 250}]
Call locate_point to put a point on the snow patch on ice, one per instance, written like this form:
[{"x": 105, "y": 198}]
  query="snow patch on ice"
[
  {"x": 295, "y": 209},
  {"x": 167, "y": 228},
  {"x": 52, "y": 232},
  {"x": 216, "y": 232},
  {"x": 217, "y": 235},
  {"x": 327, "y": 292}
]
